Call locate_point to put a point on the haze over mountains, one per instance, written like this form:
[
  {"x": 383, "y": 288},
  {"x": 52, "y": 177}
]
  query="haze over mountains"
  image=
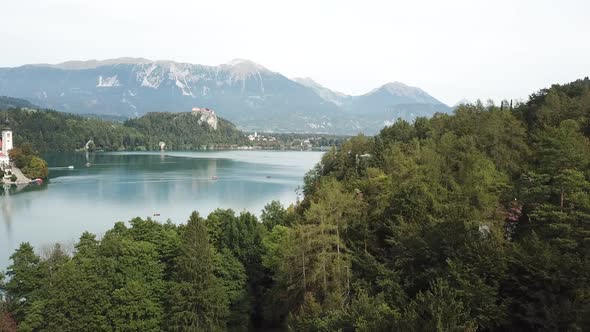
[{"x": 247, "y": 93}]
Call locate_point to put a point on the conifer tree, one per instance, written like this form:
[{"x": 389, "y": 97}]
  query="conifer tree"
[{"x": 197, "y": 300}]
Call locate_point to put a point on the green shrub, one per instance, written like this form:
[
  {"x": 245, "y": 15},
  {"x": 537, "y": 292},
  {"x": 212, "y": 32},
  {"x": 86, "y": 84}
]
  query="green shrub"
[{"x": 37, "y": 168}]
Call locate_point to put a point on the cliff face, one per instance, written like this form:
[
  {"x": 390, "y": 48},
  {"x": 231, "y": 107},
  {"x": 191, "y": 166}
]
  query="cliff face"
[
  {"x": 246, "y": 93},
  {"x": 206, "y": 115}
]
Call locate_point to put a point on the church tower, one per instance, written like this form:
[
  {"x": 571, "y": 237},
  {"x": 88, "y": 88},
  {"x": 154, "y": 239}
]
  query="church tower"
[{"x": 6, "y": 141}]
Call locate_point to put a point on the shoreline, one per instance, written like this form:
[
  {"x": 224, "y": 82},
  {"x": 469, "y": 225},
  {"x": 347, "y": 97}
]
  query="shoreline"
[
  {"x": 20, "y": 177},
  {"x": 241, "y": 148}
]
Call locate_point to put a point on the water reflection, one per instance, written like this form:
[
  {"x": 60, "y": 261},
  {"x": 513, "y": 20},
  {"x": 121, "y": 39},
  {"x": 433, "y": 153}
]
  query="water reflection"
[
  {"x": 6, "y": 206},
  {"x": 9, "y": 206},
  {"x": 120, "y": 186}
]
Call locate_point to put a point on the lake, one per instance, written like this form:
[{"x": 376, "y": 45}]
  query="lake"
[{"x": 122, "y": 185}]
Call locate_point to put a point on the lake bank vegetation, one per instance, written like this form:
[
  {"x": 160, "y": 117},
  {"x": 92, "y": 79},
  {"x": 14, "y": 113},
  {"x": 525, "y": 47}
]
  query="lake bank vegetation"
[
  {"x": 25, "y": 165},
  {"x": 29, "y": 162},
  {"x": 464, "y": 222}
]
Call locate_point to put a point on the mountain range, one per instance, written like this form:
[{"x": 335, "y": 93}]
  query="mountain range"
[{"x": 244, "y": 92}]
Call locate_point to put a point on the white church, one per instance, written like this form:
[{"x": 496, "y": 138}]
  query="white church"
[{"x": 6, "y": 143}]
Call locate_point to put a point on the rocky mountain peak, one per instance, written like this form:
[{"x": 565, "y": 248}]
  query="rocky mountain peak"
[
  {"x": 242, "y": 69},
  {"x": 404, "y": 92},
  {"x": 241, "y": 90},
  {"x": 398, "y": 88},
  {"x": 91, "y": 64}
]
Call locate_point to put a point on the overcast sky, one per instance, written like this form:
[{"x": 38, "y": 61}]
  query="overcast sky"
[{"x": 452, "y": 49}]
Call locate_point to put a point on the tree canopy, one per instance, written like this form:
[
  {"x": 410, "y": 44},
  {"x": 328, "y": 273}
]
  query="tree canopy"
[
  {"x": 51, "y": 131},
  {"x": 464, "y": 222}
]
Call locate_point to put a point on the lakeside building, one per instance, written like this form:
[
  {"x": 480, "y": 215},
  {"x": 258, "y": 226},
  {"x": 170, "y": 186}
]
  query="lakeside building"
[
  {"x": 253, "y": 137},
  {"x": 260, "y": 138}
]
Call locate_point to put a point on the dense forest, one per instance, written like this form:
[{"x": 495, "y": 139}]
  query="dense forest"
[
  {"x": 473, "y": 221},
  {"x": 182, "y": 131},
  {"x": 48, "y": 130}
]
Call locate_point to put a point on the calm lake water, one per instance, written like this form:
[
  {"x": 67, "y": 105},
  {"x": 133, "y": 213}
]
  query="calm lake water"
[{"x": 121, "y": 186}]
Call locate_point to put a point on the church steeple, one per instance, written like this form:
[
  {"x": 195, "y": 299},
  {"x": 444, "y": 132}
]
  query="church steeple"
[{"x": 6, "y": 140}]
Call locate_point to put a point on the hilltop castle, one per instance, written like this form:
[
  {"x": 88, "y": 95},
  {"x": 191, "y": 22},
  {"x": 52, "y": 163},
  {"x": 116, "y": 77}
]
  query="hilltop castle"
[
  {"x": 206, "y": 115},
  {"x": 203, "y": 110}
]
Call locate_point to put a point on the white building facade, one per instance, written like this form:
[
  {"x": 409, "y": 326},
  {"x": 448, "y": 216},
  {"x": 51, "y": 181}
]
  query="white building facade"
[
  {"x": 6, "y": 146},
  {"x": 6, "y": 141}
]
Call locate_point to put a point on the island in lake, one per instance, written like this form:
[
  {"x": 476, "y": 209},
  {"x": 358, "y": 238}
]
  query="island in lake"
[{"x": 22, "y": 165}]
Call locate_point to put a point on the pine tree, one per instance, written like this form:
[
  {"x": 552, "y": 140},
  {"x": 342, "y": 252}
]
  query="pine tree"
[
  {"x": 197, "y": 299},
  {"x": 25, "y": 279}
]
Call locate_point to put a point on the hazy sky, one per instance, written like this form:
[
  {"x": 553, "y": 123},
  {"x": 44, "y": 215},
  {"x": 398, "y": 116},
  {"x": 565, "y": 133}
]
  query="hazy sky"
[{"x": 452, "y": 49}]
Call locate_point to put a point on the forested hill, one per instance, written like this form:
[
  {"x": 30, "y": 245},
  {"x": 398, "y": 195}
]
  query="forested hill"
[
  {"x": 472, "y": 221},
  {"x": 48, "y": 130},
  {"x": 476, "y": 221},
  {"x": 184, "y": 131},
  {"x": 9, "y": 102}
]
